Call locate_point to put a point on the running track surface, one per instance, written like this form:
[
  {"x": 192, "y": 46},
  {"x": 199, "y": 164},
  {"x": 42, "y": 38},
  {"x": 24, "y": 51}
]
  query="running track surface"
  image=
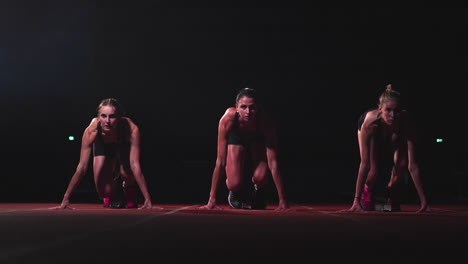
[{"x": 175, "y": 233}]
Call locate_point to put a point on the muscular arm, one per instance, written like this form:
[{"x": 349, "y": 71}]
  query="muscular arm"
[
  {"x": 135, "y": 163},
  {"x": 365, "y": 138},
  {"x": 88, "y": 138},
  {"x": 364, "y": 166},
  {"x": 413, "y": 166},
  {"x": 272, "y": 157},
  {"x": 224, "y": 126}
]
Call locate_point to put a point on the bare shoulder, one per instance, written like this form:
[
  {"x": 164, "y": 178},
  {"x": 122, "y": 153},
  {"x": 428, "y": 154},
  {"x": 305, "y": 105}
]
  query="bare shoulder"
[
  {"x": 128, "y": 122},
  {"x": 227, "y": 120},
  {"x": 94, "y": 122},
  {"x": 372, "y": 115},
  {"x": 90, "y": 132},
  {"x": 228, "y": 115},
  {"x": 230, "y": 112},
  {"x": 93, "y": 125},
  {"x": 370, "y": 119}
]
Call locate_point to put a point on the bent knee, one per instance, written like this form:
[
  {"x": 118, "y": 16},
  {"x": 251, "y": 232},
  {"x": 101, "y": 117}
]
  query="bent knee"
[
  {"x": 260, "y": 179},
  {"x": 104, "y": 191},
  {"x": 233, "y": 184}
]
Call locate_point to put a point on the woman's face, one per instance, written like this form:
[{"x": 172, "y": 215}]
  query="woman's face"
[
  {"x": 246, "y": 108},
  {"x": 108, "y": 118},
  {"x": 389, "y": 111}
]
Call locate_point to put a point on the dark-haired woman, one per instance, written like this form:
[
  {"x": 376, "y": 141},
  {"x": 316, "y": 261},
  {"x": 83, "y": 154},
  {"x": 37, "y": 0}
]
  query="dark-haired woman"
[{"x": 246, "y": 135}]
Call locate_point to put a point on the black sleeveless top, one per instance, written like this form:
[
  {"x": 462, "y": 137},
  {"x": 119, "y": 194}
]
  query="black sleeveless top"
[
  {"x": 111, "y": 149},
  {"x": 384, "y": 142},
  {"x": 244, "y": 138}
]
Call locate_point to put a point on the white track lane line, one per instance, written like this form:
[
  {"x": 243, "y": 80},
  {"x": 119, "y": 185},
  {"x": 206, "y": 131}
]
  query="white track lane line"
[
  {"x": 8, "y": 254},
  {"x": 340, "y": 215}
]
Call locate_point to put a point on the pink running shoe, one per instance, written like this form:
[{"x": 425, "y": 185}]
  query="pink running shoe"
[
  {"x": 367, "y": 201},
  {"x": 130, "y": 197},
  {"x": 106, "y": 201}
]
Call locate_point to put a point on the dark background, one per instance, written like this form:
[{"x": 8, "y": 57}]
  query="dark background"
[{"x": 176, "y": 70}]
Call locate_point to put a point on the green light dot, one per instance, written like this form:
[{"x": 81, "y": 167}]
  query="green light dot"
[{"x": 71, "y": 138}]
